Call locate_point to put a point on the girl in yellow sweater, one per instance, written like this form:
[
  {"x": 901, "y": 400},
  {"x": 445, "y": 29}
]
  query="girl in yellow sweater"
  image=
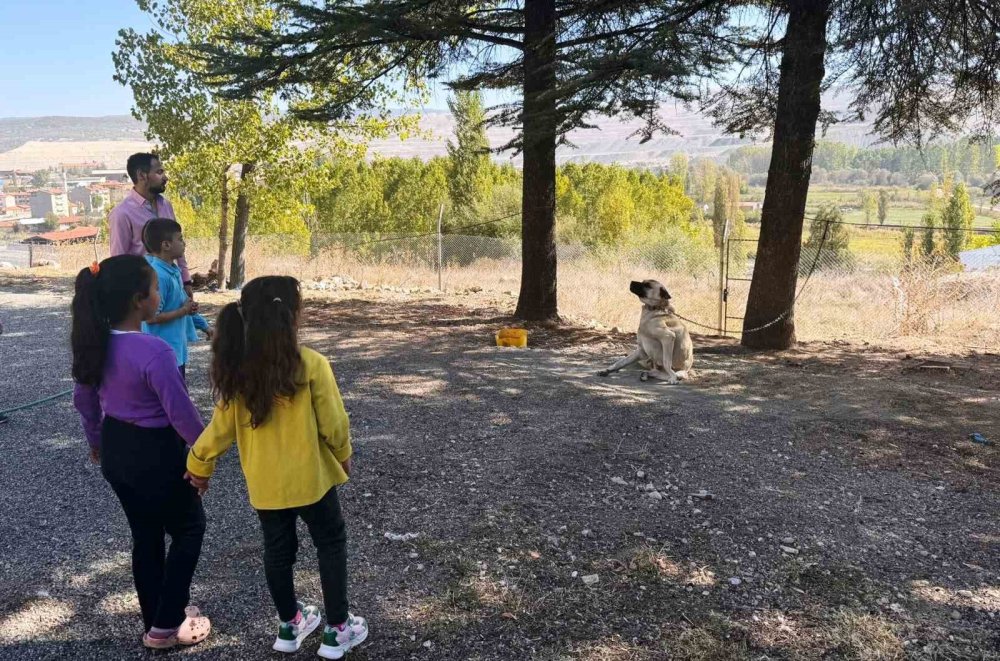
[{"x": 279, "y": 402}]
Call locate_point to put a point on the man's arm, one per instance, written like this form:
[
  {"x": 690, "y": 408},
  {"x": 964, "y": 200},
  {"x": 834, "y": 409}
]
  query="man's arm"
[{"x": 121, "y": 233}]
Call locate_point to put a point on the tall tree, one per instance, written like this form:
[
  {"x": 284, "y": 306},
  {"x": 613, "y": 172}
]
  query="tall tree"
[
  {"x": 720, "y": 210},
  {"x": 917, "y": 67},
  {"x": 568, "y": 60},
  {"x": 469, "y": 152},
  {"x": 214, "y": 137},
  {"x": 869, "y": 203},
  {"x": 928, "y": 246},
  {"x": 957, "y": 220},
  {"x": 883, "y": 207}
]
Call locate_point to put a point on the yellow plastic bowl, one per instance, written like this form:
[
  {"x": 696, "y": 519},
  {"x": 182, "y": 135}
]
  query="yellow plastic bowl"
[{"x": 512, "y": 337}]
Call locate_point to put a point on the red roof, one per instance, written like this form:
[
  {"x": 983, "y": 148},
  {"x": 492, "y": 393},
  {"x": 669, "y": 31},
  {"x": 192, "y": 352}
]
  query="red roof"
[
  {"x": 68, "y": 235},
  {"x": 71, "y": 220}
]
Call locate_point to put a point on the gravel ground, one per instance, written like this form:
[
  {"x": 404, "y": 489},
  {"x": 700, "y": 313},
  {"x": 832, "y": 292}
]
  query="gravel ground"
[{"x": 818, "y": 504}]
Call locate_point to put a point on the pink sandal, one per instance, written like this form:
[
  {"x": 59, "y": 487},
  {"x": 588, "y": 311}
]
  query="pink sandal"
[{"x": 192, "y": 631}]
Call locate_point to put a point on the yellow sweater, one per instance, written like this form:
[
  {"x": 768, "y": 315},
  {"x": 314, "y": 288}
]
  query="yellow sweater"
[{"x": 295, "y": 457}]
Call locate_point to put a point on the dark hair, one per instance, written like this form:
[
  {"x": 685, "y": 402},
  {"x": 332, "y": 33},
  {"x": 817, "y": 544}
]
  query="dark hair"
[
  {"x": 158, "y": 230},
  {"x": 255, "y": 354},
  {"x": 141, "y": 162},
  {"x": 101, "y": 300}
]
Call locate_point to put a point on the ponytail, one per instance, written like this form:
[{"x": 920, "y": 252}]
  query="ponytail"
[
  {"x": 104, "y": 296},
  {"x": 256, "y": 350},
  {"x": 89, "y": 336}
]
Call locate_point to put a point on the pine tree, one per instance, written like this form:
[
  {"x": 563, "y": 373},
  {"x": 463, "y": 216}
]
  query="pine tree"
[
  {"x": 469, "y": 152},
  {"x": 567, "y": 60}
]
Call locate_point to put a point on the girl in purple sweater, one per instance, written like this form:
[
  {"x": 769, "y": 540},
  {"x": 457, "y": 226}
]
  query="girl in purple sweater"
[{"x": 139, "y": 422}]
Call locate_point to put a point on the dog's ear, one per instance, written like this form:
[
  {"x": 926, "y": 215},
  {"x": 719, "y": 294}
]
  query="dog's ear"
[{"x": 664, "y": 294}]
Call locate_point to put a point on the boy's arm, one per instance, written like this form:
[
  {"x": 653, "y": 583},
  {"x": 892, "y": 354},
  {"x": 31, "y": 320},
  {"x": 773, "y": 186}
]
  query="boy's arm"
[
  {"x": 173, "y": 315},
  {"x": 214, "y": 442},
  {"x": 331, "y": 418},
  {"x": 200, "y": 322}
]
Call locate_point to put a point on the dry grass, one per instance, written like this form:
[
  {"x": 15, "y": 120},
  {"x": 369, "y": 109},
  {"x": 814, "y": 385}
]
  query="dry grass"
[{"x": 873, "y": 303}]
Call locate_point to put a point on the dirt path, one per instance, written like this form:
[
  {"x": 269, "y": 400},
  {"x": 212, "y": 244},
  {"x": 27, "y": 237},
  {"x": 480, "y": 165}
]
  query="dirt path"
[{"x": 818, "y": 504}]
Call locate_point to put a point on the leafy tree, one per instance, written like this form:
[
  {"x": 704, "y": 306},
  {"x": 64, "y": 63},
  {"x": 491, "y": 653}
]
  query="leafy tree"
[
  {"x": 679, "y": 165},
  {"x": 957, "y": 220},
  {"x": 909, "y": 237},
  {"x": 51, "y": 221},
  {"x": 870, "y": 204},
  {"x": 928, "y": 245},
  {"x": 40, "y": 179},
  {"x": 568, "y": 60},
  {"x": 883, "y": 207},
  {"x": 720, "y": 211},
  {"x": 829, "y": 242},
  {"x": 917, "y": 67},
  {"x": 469, "y": 179},
  {"x": 250, "y": 146}
]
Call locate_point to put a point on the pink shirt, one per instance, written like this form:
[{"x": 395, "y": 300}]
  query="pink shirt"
[{"x": 127, "y": 220}]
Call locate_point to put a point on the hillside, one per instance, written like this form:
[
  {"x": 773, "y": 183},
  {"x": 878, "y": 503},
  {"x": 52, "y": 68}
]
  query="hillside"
[{"x": 39, "y": 142}]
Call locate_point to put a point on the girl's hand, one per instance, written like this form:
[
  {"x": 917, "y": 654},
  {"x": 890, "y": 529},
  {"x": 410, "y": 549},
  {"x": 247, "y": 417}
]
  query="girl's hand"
[
  {"x": 199, "y": 483},
  {"x": 95, "y": 456},
  {"x": 347, "y": 466}
]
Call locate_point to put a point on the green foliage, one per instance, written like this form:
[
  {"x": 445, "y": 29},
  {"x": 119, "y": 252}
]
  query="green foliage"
[
  {"x": 720, "y": 211},
  {"x": 469, "y": 181},
  {"x": 883, "y": 207},
  {"x": 870, "y": 205},
  {"x": 909, "y": 237},
  {"x": 831, "y": 239},
  {"x": 957, "y": 220},
  {"x": 928, "y": 245},
  {"x": 51, "y": 221}
]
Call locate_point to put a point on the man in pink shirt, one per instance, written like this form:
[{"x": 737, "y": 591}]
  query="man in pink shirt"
[{"x": 144, "y": 202}]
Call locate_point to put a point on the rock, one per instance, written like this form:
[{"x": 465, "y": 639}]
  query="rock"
[
  {"x": 640, "y": 474},
  {"x": 591, "y": 579},
  {"x": 649, "y": 486},
  {"x": 404, "y": 537},
  {"x": 574, "y": 574},
  {"x": 703, "y": 495},
  {"x": 7, "y": 266},
  {"x": 587, "y": 532},
  {"x": 655, "y": 495},
  {"x": 966, "y": 594},
  {"x": 788, "y": 541},
  {"x": 420, "y": 567},
  {"x": 735, "y": 581},
  {"x": 790, "y": 550},
  {"x": 619, "y": 480},
  {"x": 752, "y": 554},
  {"x": 428, "y": 644},
  {"x": 414, "y": 555},
  {"x": 955, "y": 615}
]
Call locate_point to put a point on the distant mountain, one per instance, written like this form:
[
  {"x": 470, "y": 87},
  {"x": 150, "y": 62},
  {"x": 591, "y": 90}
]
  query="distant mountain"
[
  {"x": 15, "y": 131},
  {"x": 26, "y": 142}
]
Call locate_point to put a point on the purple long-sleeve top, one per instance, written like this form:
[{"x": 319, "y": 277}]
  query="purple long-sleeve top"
[{"x": 141, "y": 385}]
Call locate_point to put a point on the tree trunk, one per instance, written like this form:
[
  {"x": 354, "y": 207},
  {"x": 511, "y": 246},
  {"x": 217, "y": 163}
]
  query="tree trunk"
[
  {"x": 223, "y": 231},
  {"x": 237, "y": 271},
  {"x": 537, "y": 299},
  {"x": 772, "y": 291}
]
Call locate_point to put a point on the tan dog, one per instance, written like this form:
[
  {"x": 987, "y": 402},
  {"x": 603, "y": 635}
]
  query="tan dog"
[{"x": 664, "y": 346}]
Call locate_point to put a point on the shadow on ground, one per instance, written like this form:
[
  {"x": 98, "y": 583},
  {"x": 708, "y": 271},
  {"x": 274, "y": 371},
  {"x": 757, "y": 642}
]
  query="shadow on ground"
[{"x": 817, "y": 504}]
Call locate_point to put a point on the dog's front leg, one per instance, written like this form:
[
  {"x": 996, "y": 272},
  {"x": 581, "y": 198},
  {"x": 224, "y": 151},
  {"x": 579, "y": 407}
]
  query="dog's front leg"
[
  {"x": 667, "y": 372},
  {"x": 633, "y": 357}
]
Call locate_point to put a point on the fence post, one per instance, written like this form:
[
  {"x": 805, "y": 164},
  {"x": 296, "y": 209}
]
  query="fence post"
[
  {"x": 31, "y": 255},
  {"x": 440, "y": 259},
  {"x": 723, "y": 265}
]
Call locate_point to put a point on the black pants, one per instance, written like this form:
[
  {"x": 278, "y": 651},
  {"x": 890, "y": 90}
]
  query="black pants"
[
  {"x": 145, "y": 467},
  {"x": 281, "y": 544}
]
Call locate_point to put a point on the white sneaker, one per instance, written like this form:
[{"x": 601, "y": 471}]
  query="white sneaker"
[
  {"x": 291, "y": 636},
  {"x": 338, "y": 641}
]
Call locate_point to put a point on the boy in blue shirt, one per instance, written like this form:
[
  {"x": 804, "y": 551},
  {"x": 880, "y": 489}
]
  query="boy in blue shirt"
[{"x": 177, "y": 317}]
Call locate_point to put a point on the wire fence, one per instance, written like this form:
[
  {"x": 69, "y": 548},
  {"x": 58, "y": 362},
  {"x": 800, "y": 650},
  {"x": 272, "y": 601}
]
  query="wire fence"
[{"x": 885, "y": 285}]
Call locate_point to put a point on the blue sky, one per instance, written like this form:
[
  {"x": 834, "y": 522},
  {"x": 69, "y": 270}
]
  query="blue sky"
[{"x": 56, "y": 56}]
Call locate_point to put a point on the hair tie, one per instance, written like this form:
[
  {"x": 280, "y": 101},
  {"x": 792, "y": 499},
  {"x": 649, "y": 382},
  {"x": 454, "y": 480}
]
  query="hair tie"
[
  {"x": 277, "y": 299},
  {"x": 95, "y": 268}
]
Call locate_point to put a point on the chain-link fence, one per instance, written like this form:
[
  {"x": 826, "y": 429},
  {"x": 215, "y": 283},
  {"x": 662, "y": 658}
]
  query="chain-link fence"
[{"x": 880, "y": 285}]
